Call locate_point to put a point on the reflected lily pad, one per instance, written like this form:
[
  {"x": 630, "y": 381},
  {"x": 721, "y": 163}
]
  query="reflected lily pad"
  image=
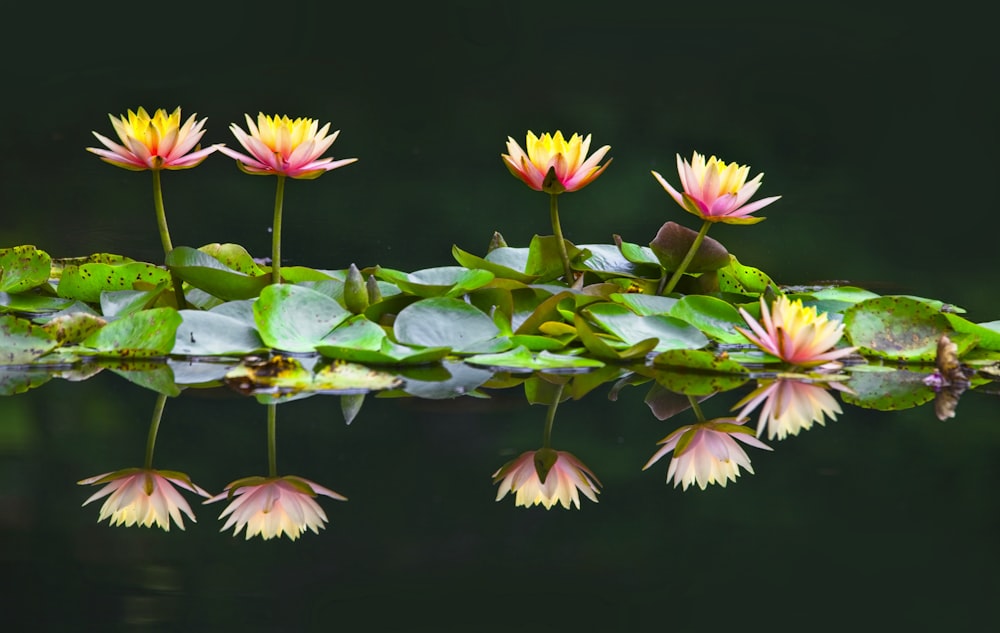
[
  {"x": 888, "y": 389},
  {"x": 521, "y": 358}
]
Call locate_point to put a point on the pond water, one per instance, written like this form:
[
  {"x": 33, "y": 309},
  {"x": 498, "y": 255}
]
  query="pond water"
[{"x": 862, "y": 122}]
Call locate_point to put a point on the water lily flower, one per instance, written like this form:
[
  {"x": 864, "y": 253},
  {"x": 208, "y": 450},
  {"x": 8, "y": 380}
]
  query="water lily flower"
[
  {"x": 157, "y": 142},
  {"x": 279, "y": 145},
  {"x": 546, "y": 477},
  {"x": 795, "y": 333},
  {"x": 716, "y": 191},
  {"x": 707, "y": 452},
  {"x": 272, "y": 506},
  {"x": 572, "y": 169},
  {"x": 790, "y": 405},
  {"x": 143, "y": 496}
]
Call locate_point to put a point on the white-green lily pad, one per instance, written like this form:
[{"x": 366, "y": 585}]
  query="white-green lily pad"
[{"x": 295, "y": 319}]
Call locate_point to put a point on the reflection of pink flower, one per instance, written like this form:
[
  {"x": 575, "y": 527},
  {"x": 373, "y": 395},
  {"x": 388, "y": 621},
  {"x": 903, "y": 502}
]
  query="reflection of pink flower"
[
  {"x": 716, "y": 191},
  {"x": 546, "y": 477},
  {"x": 790, "y": 405},
  {"x": 707, "y": 452},
  {"x": 796, "y": 334},
  {"x": 280, "y": 145},
  {"x": 140, "y": 496},
  {"x": 157, "y": 142},
  {"x": 573, "y": 169},
  {"x": 272, "y": 506}
]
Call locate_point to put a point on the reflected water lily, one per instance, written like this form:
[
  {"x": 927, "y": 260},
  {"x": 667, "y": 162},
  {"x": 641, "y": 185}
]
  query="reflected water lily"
[
  {"x": 274, "y": 506},
  {"x": 790, "y": 405},
  {"x": 546, "y": 477},
  {"x": 143, "y": 497},
  {"x": 707, "y": 452}
]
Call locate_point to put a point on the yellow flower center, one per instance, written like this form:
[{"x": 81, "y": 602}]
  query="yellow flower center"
[{"x": 282, "y": 134}]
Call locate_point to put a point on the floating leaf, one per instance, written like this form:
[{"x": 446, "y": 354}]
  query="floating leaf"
[
  {"x": 438, "y": 282},
  {"x": 214, "y": 334},
  {"x": 234, "y": 257},
  {"x": 671, "y": 332},
  {"x": 86, "y": 282},
  {"x": 521, "y": 358},
  {"x": 645, "y": 305},
  {"x": 295, "y": 319},
  {"x": 608, "y": 259},
  {"x": 740, "y": 279},
  {"x": 899, "y": 328},
  {"x": 207, "y": 273},
  {"x": 143, "y": 334},
  {"x": 70, "y": 329},
  {"x": 23, "y": 268},
  {"x": 714, "y": 317},
  {"x": 21, "y": 341},
  {"x": 503, "y": 262},
  {"x": 30, "y": 303},
  {"x": 444, "y": 322}
]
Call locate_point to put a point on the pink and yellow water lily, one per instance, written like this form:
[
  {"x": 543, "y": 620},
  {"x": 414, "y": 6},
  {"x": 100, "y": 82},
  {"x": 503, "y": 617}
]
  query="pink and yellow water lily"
[
  {"x": 143, "y": 497},
  {"x": 279, "y": 145},
  {"x": 788, "y": 406},
  {"x": 154, "y": 142},
  {"x": 571, "y": 167},
  {"x": 716, "y": 191},
  {"x": 274, "y": 506},
  {"x": 546, "y": 477},
  {"x": 707, "y": 452},
  {"x": 797, "y": 334}
]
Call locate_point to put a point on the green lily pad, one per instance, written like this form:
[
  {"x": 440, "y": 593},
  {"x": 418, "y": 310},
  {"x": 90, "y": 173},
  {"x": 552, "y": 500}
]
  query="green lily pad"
[
  {"x": 608, "y": 349},
  {"x": 70, "y": 329},
  {"x": 15, "y": 380},
  {"x": 900, "y": 328},
  {"x": 295, "y": 319},
  {"x": 987, "y": 335},
  {"x": 21, "y": 341},
  {"x": 645, "y": 305},
  {"x": 714, "y": 317},
  {"x": 631, "y": 328},
  {"x": 23, "y": 268},
  {"x": 740, "y": 279},
  {"x": 697, "y": 372},
  {"x": 503, "y": 262},
  {"x": 443, "y": 281},
  {"x": 122, "y": 302},
  {"x": 234, "y": 257},
  {"x": 205, "y": 272},
  {"x": 144, "y": 334},
  {"x": 443, "y": 322},
  {"x": 521, "y": 358},
  {"x": 86, "y": 282},
  {"x": 211, "y": 333},
  {"x": 608, "y": 260},
  {"x": 30, "y": 303}
]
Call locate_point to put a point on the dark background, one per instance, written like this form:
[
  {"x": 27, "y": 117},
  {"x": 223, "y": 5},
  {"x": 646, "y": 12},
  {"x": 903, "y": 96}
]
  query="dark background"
[{"x": 878, "y": 128}]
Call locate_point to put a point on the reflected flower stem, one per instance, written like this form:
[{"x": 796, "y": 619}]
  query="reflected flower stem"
[
  {"x": 696, "y": 408},
  {"x": 272, "y": 440},
  {"x": 670, "y": 285},
  {"x": 154, "y": 427},
  {"x": 557, "y": 229},
  {"x": 279, "y": 198},
  {"x": 161, "y": 225},
  {"x": 550, "y": 419}
]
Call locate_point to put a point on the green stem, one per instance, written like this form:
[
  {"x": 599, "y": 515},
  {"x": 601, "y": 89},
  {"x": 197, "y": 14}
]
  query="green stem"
[
  {"x": 272, "y": 440},
  {"x": 154, "y": 427},
  {"x": 557, "y": 229},
  {"x": 696, "y": 408},
  {"x": 687, "y": 259},
  {"x": 279, "y": 197},
  {"x": 161, "y": 225},
  {"x": 550, "y": 419}
]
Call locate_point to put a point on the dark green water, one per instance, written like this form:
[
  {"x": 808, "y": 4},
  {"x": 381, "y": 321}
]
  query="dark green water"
[{"x": 877, "y": 130}]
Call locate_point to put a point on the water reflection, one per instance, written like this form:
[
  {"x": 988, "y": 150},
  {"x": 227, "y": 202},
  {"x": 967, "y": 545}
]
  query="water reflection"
[{"x": 790, "y": 405}]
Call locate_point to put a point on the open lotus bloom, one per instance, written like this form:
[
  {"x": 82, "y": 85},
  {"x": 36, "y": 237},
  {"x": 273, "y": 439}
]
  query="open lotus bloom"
[
  {"x": 716, "y": 191},
  {"x": 289, "y": 147},
  {"x": 157, "y": 142},
  {"x": 272, "y": 506},
  {"x": 546, "y": 477},
  {"x": 567, "y": 159},
  {"x": 140, "y": 496},
  {"x": 707, "y": 452},
  {"x": 796, "y": 334},
  {"x": 788, "y": 406}
]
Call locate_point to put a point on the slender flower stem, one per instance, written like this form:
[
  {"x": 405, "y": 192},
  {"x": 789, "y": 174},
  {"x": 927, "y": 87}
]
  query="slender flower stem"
[
  {"x": 696, "y": 408},
  {"x": 154, "y": 427},
  {"x": 272, "y": 440},
  {"x": 279, "y": 197},
  {"x": 687, "y": 259},
  {"x": 161, "y": 224},
  {"x": 550, "y": 418},
  {"x": 557, "y": 229}
]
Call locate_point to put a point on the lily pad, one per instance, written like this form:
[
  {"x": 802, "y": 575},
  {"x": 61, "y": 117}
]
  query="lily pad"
[
  {"x": 295, "y": 319},
  {"x": 23, "y": 268},
  {"x": 503, "y": 262},
  {"x": 86, "y": 282},
  {"x": 143, "y": 334},
  {"x": 631, "y": 328},
  {"x": 714, "y": 317},
  {"x": 443, "y": 322},
  {"x": 213, "y": 334},
  {"x": 443, "y": 281},
  {"x": 521, "y": 358},
  {"x": 21, "y": 341},
  {"x": 900, "y": 328},
  {"x": 886, "y": 389},
  {"x": 205, "y": 272}
]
